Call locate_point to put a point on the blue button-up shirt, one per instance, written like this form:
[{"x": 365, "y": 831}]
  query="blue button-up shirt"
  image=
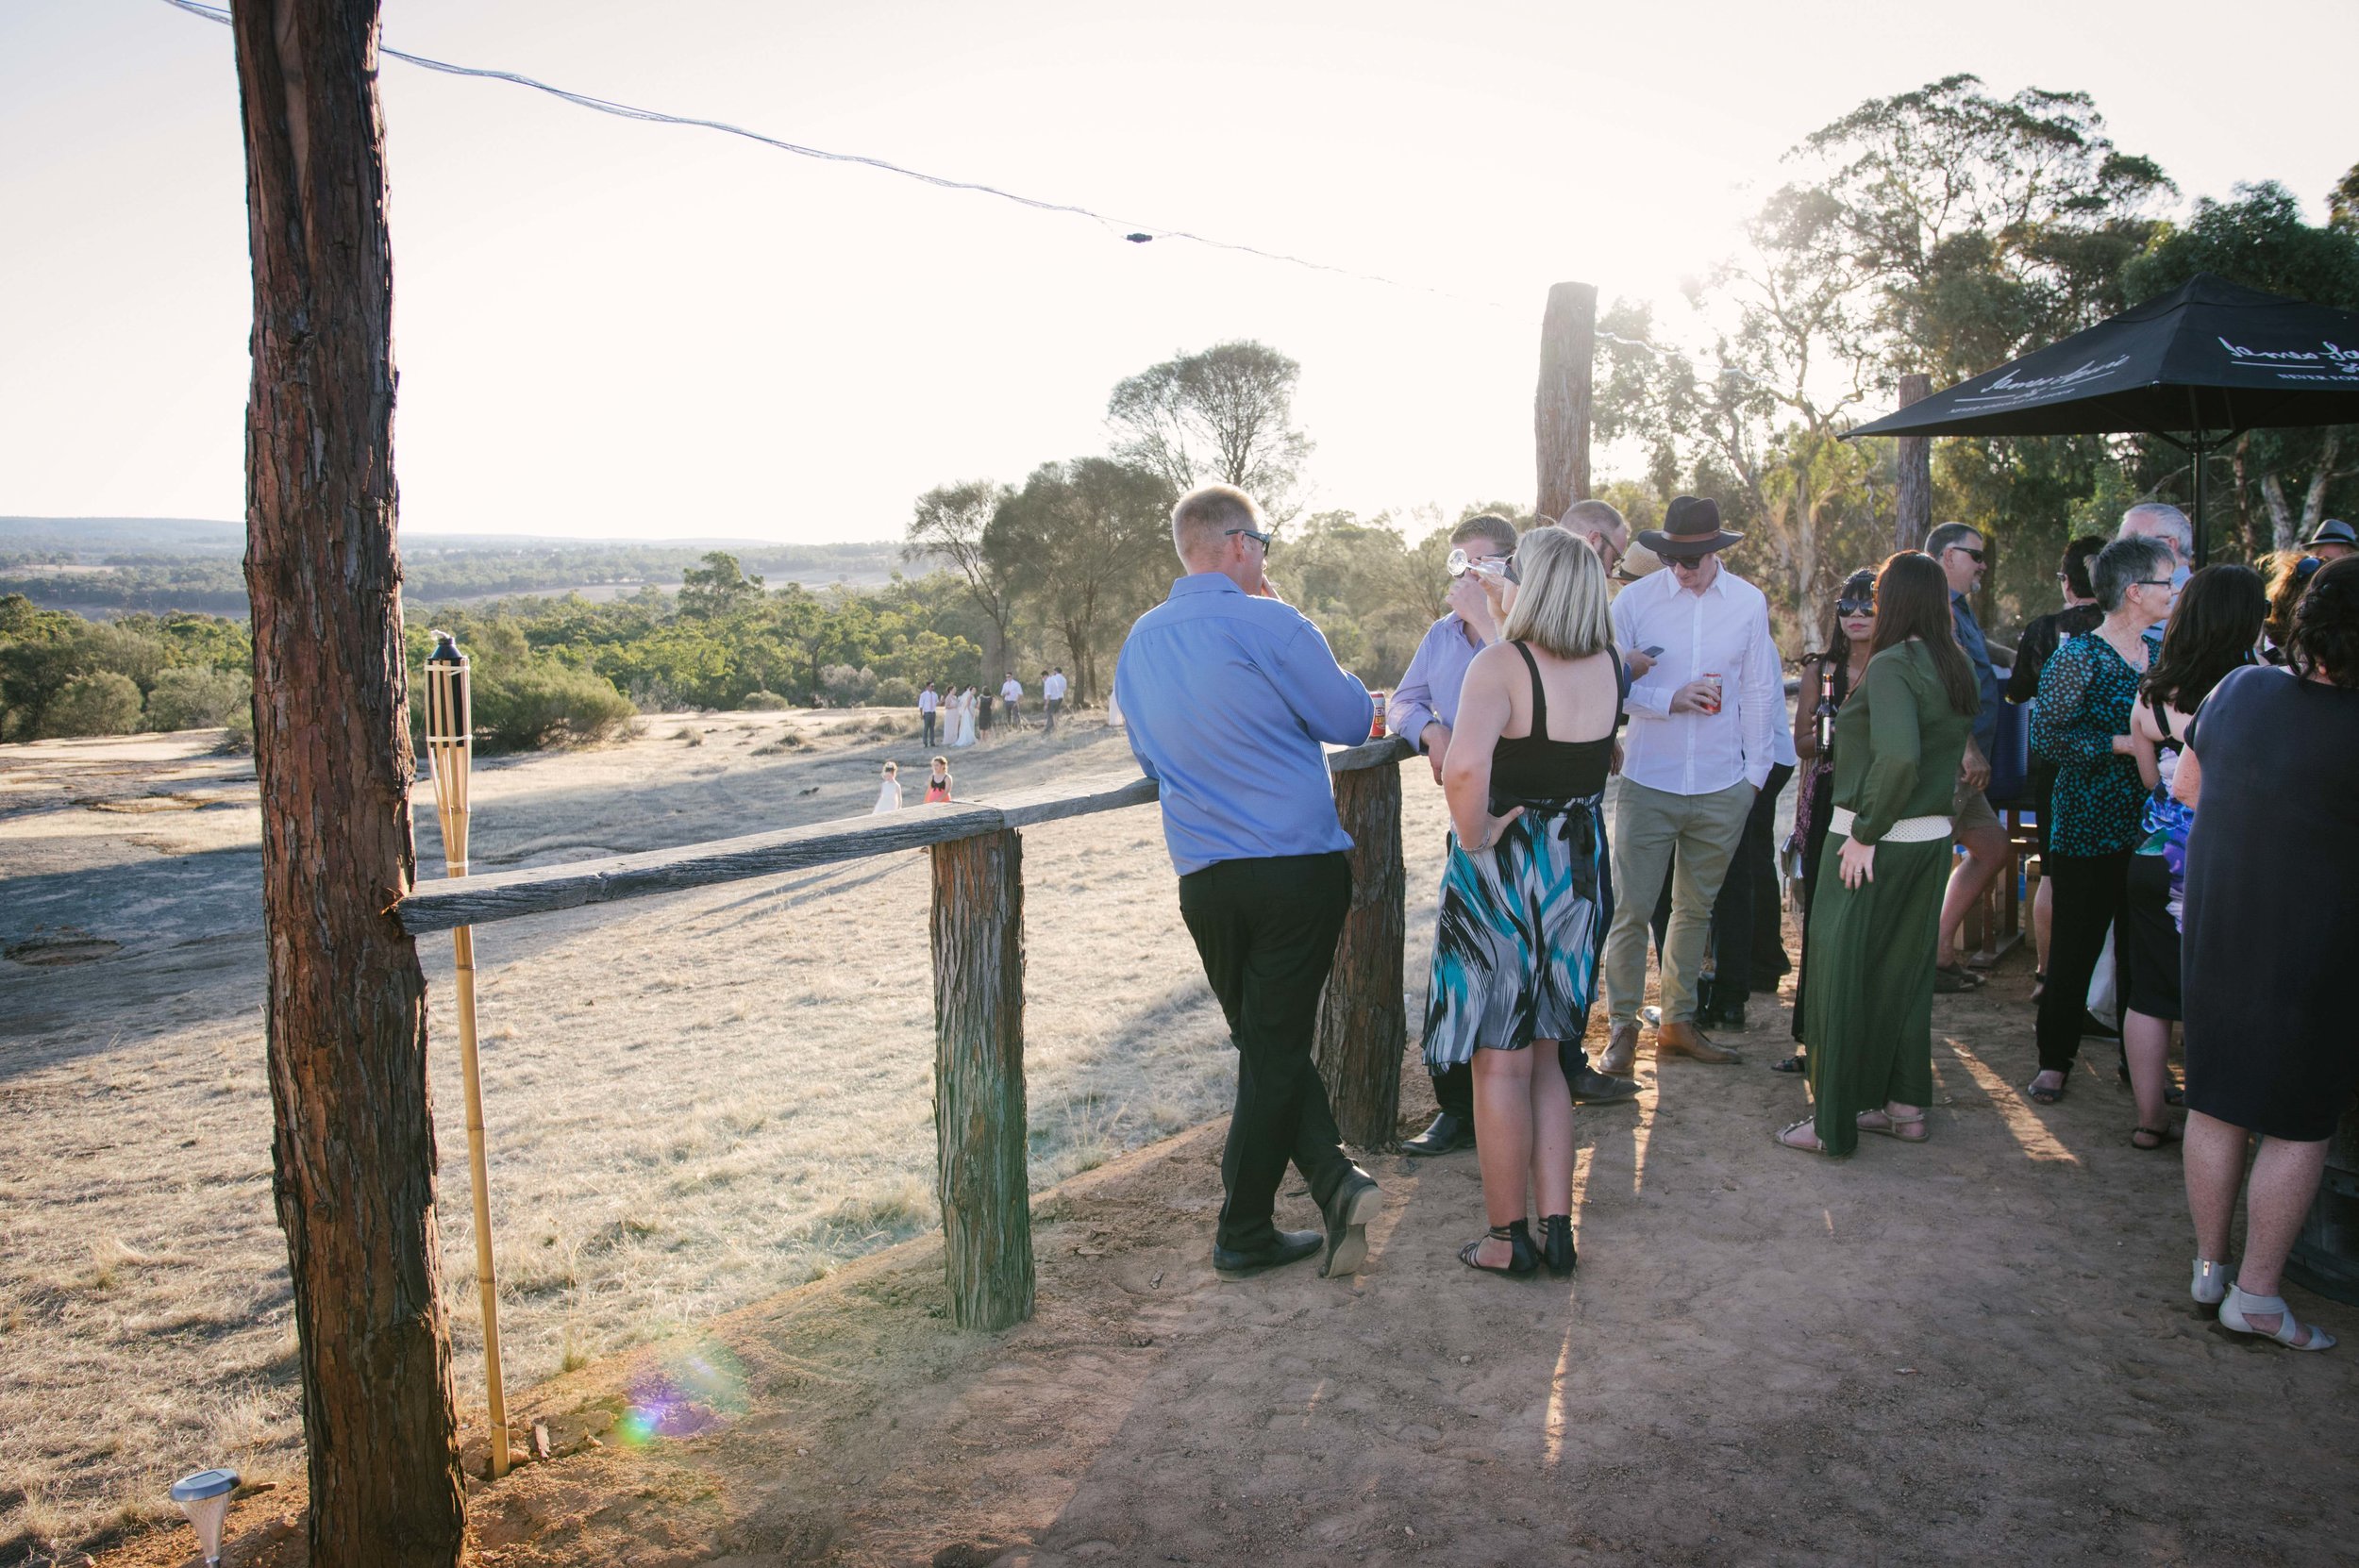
[
  {"x": 1986, "y": 674},
  {"x": 1428, "y": 688},
  {"x": 1228, "y": 696}
]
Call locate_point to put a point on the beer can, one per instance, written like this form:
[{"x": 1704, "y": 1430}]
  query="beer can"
[{"x": 1713, "y": 677}]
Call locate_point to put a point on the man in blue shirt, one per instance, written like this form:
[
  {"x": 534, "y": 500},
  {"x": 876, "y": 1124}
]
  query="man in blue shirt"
[
  {"x": 1959, "y": 550},
  {"x": 1228, "y": 692}
]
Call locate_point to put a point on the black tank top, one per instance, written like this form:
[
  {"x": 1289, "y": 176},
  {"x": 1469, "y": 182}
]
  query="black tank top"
[{"x": 1532, "y": 769}]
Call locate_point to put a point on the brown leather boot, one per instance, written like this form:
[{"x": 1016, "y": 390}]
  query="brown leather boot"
[
  {"x": 1684, "y": 1040},
  {"x": 1620, "y": 1052}
]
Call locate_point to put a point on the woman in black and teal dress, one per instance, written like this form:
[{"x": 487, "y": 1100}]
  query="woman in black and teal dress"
[
  {"x": 2082, "y": 724},
  {"x": 1525, "y": 895},
  {"x": 1876, "y": 911}
]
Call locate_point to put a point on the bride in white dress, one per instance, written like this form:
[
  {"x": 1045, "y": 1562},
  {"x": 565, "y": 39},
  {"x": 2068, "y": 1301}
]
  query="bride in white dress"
[{"x": 962, "y": 726}]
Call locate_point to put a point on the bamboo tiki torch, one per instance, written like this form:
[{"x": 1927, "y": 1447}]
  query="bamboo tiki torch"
[{"x": 450, "y": 748}]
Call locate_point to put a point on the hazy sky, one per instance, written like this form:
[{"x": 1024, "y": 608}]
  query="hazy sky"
[{"x": 612, "y": 328}]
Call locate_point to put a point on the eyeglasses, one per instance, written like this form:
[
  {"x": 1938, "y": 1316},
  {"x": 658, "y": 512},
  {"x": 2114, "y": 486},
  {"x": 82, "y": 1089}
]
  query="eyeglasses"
[
  {"x": 1265, "y": 540},
  {"x": 1855, "y": 606},
  {"x": 1974, "y": 556},
  {"x": 2307, "y": 567},
  {"x": 2152, "y": 582},
  {"x": 1687, "y": 563}
]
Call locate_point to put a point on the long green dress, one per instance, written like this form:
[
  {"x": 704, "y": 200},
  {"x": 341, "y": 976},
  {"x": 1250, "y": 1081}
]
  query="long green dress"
[{"x": 1870, "y": 1021}]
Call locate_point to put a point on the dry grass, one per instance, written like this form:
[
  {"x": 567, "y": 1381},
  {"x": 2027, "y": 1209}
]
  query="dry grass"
[{"x": 690, "y": 1105}]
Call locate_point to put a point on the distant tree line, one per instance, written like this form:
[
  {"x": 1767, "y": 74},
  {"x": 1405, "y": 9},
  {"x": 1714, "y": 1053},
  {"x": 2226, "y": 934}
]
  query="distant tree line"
[{"x": 60, "y": 675}]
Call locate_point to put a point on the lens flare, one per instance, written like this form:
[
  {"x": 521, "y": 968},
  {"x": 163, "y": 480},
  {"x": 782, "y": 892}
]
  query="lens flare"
[{"x": 694, "y": 1386}]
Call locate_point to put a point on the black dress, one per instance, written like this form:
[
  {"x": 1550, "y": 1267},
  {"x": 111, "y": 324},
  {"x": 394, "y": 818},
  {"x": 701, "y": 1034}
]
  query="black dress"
[{"x": 2271, "y": 923}]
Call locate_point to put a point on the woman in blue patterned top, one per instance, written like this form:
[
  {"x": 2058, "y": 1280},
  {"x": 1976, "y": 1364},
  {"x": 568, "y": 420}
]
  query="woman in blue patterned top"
[{"x": 2082, "y": 724}]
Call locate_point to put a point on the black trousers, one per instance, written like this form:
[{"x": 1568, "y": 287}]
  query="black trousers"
[
  {"x": 2091, "y": 893},
  {"x": 926, "y": 730},
  {"x": 1267, "y": 931}
]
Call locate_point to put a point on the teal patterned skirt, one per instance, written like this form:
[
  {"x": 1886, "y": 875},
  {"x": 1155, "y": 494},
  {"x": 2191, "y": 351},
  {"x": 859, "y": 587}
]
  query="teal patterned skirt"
[{"x": 1521, "y": 930}]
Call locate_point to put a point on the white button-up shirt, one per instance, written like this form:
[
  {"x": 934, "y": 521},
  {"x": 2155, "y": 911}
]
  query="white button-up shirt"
[
  {"x": 1053, "y": 687},
  {"x": 1724, "y": 631}
]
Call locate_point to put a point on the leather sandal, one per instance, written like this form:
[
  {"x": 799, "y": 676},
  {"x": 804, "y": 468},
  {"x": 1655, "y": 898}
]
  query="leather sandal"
[
  {"x": 1908, "y": 1129},
  {"x": 1556, "y": 1243},
  {"x": 1783, "y": 1138},
  {"x": 2237, "y": 1312},
  {"x": 1522, "y": 1263}
]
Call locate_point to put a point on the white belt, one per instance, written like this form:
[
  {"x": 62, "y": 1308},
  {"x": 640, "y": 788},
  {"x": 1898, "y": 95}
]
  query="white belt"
[{"x": 1907, "y": 831}]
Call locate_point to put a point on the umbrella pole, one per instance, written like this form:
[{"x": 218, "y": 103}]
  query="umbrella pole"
[{"x": 2203, "y": 538}]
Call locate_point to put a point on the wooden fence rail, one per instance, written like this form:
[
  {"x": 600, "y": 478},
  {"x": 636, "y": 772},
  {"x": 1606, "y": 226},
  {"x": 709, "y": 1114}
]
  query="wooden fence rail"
[{"x": 978, "y": 931}]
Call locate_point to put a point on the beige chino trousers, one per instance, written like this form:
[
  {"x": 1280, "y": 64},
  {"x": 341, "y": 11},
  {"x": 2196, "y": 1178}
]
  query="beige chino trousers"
[{"x": 1648, "y": 825}]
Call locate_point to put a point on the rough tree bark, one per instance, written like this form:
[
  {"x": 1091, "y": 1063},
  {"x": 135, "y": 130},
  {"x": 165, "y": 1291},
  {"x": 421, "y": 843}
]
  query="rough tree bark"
[
  {"x": 1568, "y": 338},
  {"x": 1914, "y": 515},
  {"x": 979, "y": 1078},
  {"x": 1363, "y": 1021},
  {"x": 353, "y": 1141}
]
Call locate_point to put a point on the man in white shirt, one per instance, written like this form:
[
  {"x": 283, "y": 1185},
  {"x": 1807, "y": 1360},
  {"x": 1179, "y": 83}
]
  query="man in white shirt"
[
  {"x": 1052, "y": 689},
  {"x": 1699, "y": 744},
  {"x": 929, "y": 708},
  {"x": 1011, "y": 701}
]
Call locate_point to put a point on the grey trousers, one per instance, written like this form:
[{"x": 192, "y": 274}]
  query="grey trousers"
[{"x": 1647, "y": 825}]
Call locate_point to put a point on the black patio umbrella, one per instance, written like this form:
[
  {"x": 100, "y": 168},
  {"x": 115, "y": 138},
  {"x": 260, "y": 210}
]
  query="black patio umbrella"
[{"x": 2198, "y": 367}]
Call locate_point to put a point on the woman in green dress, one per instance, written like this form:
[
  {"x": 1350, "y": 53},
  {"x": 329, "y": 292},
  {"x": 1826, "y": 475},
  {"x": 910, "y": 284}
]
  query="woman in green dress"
[{"x": 1877, "y": 912}]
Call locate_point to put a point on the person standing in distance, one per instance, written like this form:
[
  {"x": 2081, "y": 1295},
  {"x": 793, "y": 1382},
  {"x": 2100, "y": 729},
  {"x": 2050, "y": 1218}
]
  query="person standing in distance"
[
  {"x": 928, "y": 708},
  {"x": 2168, "y": 526},
  {"x": 1011, "y": 701},
  {"x": 1228, "y": 692},
  {"x": 1699, "y": 747},
  {"x": 1052, "y": 690},
  {"x": 1960, "y": 551}
]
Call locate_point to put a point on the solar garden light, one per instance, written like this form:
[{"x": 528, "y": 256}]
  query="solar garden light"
[
  {"x": 449, "y": 749},
  {"x": 204, "y": 1499}
]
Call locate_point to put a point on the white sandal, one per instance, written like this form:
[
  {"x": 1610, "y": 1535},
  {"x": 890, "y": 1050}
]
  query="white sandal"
[
  {"x": 2236, "y": 1314},
  {"x": 2210, "y": 1284}
]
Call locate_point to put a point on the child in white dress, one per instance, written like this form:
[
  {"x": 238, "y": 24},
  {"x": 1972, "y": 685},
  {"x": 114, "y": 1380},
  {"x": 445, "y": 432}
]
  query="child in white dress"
[{"x": 889, "y": 794}]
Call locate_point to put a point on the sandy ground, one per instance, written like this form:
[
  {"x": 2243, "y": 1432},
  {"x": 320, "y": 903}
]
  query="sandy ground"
[
  {"x": 690, "y": 1106},
  {"x": 1977, "y": 1349}
]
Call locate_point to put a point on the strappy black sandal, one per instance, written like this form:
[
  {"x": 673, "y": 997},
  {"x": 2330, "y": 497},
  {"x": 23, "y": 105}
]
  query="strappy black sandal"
[
  {"x": 2164, "y": 1136},
  {"x": 1799, "y": 1063},
  {"x": 1556, "y": 1243},
  {"x": 1522, "y": 1261}
]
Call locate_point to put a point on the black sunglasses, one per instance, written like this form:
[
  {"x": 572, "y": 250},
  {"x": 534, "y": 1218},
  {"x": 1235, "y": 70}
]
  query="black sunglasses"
[
  {"x": 1265, "y": 540},
  {"x": 1974, "y": 556},
  {"x": 1855, "y": 606}
]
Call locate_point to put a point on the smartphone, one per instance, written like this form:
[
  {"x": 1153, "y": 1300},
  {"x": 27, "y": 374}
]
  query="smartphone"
[{"x": 1655, "y": 652}]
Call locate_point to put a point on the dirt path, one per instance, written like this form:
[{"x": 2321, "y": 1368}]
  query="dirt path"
[{"x": 1980, "y": 1349}]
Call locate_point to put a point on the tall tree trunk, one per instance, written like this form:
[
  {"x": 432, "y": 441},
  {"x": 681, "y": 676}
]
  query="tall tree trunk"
[
  {"x": 2281, "y": 532},
  {"x": 353, "y": 1141},
  {"x": 1568, "y": 336},
  {"x": 1912, "y": 517}
]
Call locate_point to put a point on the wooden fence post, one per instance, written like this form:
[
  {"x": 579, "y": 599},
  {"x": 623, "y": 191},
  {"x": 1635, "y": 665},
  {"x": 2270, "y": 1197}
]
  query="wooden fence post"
[
  {"x": 1568, "y": 343},
  {"x": 1363, "y": 1023},
  {"x": 1914, "y": 515},
  {"x": 979, "y": 1078}
]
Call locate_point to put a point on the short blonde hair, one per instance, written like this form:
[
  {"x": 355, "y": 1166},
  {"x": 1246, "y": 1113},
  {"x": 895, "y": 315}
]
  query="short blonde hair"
[
  {"x": 1205, "y": 514},
  {"x": 891, "y": 769},
  {"x": 1561, "y": 603}
]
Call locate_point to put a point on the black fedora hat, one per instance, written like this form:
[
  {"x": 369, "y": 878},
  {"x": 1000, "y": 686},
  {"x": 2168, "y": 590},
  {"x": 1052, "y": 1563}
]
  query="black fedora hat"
[
  {"x": 1691, "y": 527},
  {"x": 2334, "y": 531}
]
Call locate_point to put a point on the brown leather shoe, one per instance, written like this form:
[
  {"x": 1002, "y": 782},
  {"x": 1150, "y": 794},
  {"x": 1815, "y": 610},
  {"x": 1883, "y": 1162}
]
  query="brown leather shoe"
[
  {"x": 1686, "y": 1039},
  {"x": 1620, "y": 1052}
]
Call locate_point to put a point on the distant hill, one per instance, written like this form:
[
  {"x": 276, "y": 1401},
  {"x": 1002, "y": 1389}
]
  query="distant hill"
[
  {"x": 113, "y": 565},
  {"x": 88, "y": 538}
]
